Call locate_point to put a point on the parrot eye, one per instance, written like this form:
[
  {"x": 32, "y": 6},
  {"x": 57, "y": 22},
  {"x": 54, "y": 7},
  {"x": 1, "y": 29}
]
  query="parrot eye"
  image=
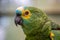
[{"x": 26, "y": 13}]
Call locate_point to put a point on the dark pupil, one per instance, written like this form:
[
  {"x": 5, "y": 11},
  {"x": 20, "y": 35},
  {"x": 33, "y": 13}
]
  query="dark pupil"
[{"x": 26, "y": 13}]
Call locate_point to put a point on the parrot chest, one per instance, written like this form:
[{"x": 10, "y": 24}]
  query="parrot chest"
[
  {"x": 37, "y": 35},
  {"x": 37, "y": 30}
]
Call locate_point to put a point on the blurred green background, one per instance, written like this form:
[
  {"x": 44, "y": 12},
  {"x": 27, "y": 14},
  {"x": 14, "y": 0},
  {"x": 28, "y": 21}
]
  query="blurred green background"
[{"x": 7, "y": 15}]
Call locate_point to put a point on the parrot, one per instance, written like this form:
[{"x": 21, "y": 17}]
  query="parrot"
[{"x": 35, "y": 23}]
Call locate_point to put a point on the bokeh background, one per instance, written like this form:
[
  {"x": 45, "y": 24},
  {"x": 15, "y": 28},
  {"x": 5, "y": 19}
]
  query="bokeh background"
[{"x": 9, "y": 31}]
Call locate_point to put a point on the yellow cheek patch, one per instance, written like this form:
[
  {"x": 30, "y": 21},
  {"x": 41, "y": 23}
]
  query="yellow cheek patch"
[{"x": 26, "y": 14}]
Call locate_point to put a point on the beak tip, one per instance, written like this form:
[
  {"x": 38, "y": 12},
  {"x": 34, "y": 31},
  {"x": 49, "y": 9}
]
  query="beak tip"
[{"x": 16, "y": 24}]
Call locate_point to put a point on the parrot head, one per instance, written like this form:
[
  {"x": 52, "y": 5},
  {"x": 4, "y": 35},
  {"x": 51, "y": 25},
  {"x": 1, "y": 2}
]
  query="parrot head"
[{"x": 27, "y": 15}]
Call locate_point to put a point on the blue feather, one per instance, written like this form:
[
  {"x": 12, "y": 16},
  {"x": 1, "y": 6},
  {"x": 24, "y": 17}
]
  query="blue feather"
[{"x": 18, "y": 12}]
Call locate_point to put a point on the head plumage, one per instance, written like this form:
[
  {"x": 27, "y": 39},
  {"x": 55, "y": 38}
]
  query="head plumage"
[{"x": 19, "y": 9}]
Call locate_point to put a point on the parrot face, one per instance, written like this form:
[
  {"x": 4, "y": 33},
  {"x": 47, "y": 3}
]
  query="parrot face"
[{"x": 27, "y": 15}]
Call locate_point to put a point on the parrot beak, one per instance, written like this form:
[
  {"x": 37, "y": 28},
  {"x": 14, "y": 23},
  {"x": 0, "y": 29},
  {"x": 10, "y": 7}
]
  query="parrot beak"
[{"x": 18, "y": 20}]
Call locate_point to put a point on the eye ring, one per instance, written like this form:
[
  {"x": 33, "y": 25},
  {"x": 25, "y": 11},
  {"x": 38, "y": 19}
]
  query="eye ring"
[{"x": 26, "y": 13}]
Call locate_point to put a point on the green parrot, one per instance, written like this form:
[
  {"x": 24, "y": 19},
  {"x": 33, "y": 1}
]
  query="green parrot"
[{"x": 35, "y": 23}]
